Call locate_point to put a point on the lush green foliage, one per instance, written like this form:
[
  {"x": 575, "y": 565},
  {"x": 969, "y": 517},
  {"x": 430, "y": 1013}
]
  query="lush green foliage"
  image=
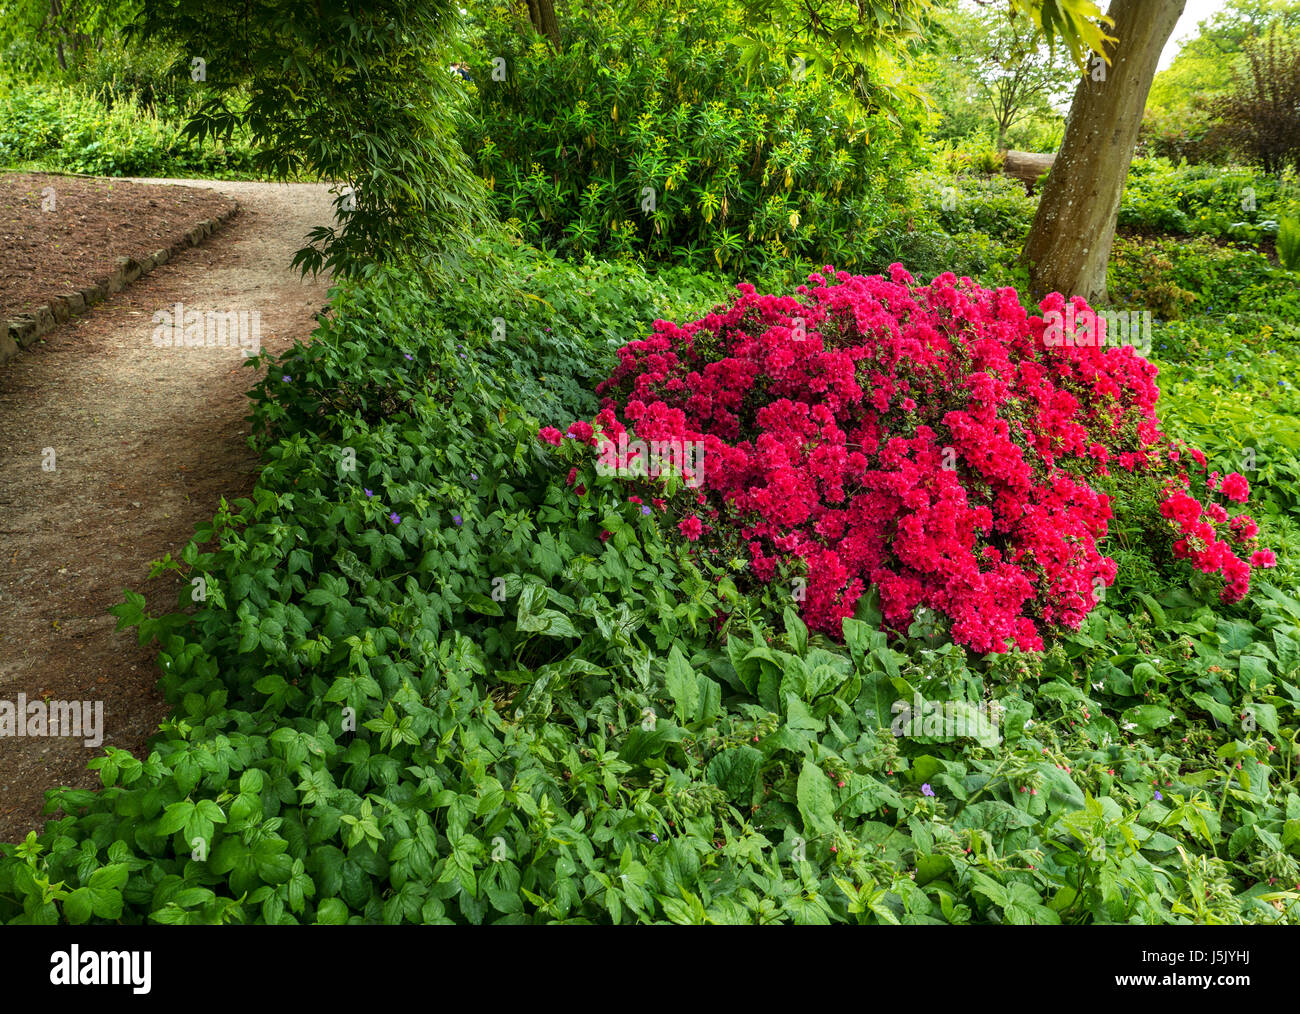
[
  {"x": 1232, "y": 203},
  {"x": 1169, "y": 275},
  {"x": 1288, "y": 243},
  {"x": 1184, "y": 118},
  {"x": 560, "y": 717},
  {"x": 424, "y": 675},
  {"x": 354, "y": 94},
  {"x": 65, "y": 128},
  {"x": 641, "y": 139},
  {"x": 38, "y": 35}
]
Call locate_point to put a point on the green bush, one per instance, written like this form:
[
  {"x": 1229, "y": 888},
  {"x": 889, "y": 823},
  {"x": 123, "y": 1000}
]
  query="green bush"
[
  {"x": 150, "y": 77},
  {"x": 64, "y": 128},
  {"x": 641, "y": 139},
  {"x": 1173, "y": 277},
  {"x": 1223, "y": 202}
]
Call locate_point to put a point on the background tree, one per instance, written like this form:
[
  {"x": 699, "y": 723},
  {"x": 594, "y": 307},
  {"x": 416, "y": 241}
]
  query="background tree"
[
  {"x": 63, "y": 29},
  {"x": 1261, "y": 112},
  {"x": 1013, "y": 72},
  {"x": 348, "y": 91},
  {"x": 1068, "y": 247},
  {"x": 1181, "y": 121},
  {"x": 541, "y": 13},
  {"x": 865, "y": 46}
]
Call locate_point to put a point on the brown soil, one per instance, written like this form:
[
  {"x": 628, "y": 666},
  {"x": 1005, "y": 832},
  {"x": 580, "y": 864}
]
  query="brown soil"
[
  {"x": 147, "y": 440},
  {"x": 61, "y": 233}
]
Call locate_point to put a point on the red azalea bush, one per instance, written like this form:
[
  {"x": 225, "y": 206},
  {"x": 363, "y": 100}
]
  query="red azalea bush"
[{"x": 926, "y": 440}]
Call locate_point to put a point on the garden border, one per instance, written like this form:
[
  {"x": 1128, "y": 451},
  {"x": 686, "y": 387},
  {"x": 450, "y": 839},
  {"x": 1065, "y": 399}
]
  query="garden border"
[{"x": 22, "y": 331}]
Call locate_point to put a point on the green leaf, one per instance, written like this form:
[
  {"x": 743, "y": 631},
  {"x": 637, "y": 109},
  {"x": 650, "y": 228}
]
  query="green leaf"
[
  {"x": 1145, "y": 717},
  {"x": 816, "y": 800},
  {"x": 682, "y": 685},
  {"x": 331, "y": 912},
  {"x": 735, "y": 771},
  {"x": 78, "y": 906}
]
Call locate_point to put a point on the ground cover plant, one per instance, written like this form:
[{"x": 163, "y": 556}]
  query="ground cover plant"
[{"x": 458, "y": 683}]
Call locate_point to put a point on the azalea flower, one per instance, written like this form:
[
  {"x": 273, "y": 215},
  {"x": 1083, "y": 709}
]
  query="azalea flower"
[{"x": 937, "y": 451}]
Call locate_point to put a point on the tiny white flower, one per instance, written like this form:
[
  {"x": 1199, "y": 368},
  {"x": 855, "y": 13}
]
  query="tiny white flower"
[
  {"x": 1129, "y": 726},
  {"x": 1098, "y": 686}
]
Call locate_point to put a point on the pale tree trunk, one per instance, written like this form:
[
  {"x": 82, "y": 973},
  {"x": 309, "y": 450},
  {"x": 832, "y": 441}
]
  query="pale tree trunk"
[{"x": 1069, "y": 244}]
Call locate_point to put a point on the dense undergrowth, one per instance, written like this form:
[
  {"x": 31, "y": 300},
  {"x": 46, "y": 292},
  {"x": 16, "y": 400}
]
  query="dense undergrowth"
[
  {"x": 418, "y": 676},
  {"x": 85, "y": 128}
]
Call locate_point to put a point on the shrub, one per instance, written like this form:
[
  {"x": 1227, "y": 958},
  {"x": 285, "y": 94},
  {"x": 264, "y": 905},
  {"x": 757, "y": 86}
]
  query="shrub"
[
  {"x": 1170, "y": 277},
  {"x": 1261, "y": 114},
  {"x": 62, "y": 127},
  {"x": 1190, "y": 134},
  {"x": 150, "y": 77},
  {"x": 933, "y": 442},
  {"x": 641, "y": 139}
]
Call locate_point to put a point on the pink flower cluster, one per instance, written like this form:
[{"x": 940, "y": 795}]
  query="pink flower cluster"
[
  {"x": 924, "y": 440},
  {"x": 1207, "y": 535}
]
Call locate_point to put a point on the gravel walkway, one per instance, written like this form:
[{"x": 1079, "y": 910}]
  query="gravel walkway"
[{"x": 146, "y": 440}]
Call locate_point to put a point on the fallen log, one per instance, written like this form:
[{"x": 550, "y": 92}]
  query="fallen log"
[{"x": 1027, "y": 166}]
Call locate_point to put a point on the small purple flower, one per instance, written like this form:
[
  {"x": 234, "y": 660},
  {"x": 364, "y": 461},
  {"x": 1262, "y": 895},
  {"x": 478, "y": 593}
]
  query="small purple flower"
[
  {"x": 926, "y": 790},
  {"x": 408, "y": 355},
  {"x": 456, "y": 518},
  {"x": 473, "y": 476},
  {"x": 395, "y": 518},
  {"x": 1158, "y": 796},
  {"x": 645, "y": 508},
  {"x": 286, "y": 378},
  {"x": 654, "y": 838},
  {"x": 367, "y": 492}
]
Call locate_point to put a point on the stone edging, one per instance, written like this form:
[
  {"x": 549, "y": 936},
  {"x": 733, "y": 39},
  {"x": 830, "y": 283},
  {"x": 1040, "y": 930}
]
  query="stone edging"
[{"x": 21, "y": 331}]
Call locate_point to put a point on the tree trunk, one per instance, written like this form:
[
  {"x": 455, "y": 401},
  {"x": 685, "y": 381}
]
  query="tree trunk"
[
  {"x": 542, "y": 14},
  {"x": 1069, "y": 245}
]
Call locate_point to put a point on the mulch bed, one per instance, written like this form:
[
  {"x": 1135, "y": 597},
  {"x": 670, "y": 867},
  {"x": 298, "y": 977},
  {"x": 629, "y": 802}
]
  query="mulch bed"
[{"x": 92, "y": 222}]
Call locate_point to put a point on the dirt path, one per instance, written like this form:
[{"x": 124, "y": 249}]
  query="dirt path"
[{"x": 146, "y": 441}]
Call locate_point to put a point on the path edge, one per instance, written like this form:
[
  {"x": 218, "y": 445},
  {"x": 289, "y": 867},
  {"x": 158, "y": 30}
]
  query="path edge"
[{"x": 22, "y": 331}]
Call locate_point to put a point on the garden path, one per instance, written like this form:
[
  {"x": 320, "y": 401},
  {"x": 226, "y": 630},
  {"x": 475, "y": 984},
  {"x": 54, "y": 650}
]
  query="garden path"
[{"x": 146, "y": 441}]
